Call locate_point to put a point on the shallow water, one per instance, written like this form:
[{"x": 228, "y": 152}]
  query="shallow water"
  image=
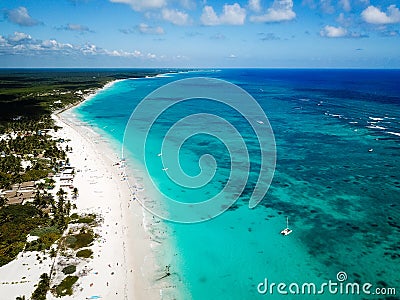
[{"x": 337, "y": 178}]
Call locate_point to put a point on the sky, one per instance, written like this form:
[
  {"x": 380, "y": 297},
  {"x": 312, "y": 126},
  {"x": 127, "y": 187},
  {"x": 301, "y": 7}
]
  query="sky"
[{"x": 200, "y": 33}]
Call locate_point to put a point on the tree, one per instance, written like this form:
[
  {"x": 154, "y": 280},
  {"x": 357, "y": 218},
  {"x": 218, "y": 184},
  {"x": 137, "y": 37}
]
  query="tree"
[
  {"x": 42, "y": 288},
  {"x": 75, "y": 192},
  {"x": 3, "y": 201},
  {"x": 61, "y": 209}
]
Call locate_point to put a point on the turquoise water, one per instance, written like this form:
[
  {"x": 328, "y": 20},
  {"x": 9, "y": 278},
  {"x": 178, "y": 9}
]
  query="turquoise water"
[{"x": 337, "y": 178}]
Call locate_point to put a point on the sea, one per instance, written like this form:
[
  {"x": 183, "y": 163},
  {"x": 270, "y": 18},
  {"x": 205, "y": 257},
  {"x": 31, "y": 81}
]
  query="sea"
[{"x": 333, "y": 155}]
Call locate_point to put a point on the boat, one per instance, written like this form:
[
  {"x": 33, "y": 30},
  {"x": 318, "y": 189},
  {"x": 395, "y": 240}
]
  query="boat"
[{"x": 287, "y": 230}]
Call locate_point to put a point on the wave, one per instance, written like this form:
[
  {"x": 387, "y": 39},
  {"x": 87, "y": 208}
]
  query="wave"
[
  {"x": 375, "y": 119},
  {"x": 394, "y": 133},
  {"x": 376, "y": 127}
]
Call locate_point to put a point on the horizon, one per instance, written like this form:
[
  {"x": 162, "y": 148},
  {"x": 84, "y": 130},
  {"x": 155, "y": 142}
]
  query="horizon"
[
  {"x": 188, "y": 34},
  {"x": 199, "y": 69}
]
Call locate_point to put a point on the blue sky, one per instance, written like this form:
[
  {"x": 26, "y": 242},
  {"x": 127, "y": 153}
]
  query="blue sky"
[{"x": 202, "y": 33}]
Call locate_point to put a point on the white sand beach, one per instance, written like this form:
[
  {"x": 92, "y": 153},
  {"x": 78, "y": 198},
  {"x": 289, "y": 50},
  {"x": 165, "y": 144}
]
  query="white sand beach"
[
  {"x": 123, "y": 246},
  {"x": 123, "y": 264}
]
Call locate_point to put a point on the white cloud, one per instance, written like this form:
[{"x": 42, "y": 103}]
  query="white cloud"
[
  {"x": 77, "y": 27},
  {"x": 281, "y": 10},
  {"x": 374, "y": 15},
  {"x": 209, "y": 17},
  {"x": 345, "y": 4},
  {"x": 147, "y": 29},
  {"x": 327, "y": 6},
  {"x": 54, "y": 45},
  {"x": 122, "y": 53},
  {"x": 19, "y": 36},
  {"x": 255, "y": 5},
  {"x": 23, "y": 44},
  {"x": 20, "y": 16},
  {"x": 324, "y": 5},
  {"x": 232, "y": 56},
  {"x": 140, "y": 5},
  {"x": 3, "y": 41},
  {"x": 175, "y": 16},
  {"x": 231, "y": 15},
  {"x": 188, "y": 4},
  {"x": 333, "y": 32}
]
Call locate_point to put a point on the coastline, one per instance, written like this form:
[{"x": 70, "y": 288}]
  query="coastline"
[
  {"x": 125, "y": 261},
  {"x": 130, "y": 249}
]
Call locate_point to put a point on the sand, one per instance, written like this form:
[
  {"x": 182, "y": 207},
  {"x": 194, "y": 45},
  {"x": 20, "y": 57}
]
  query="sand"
[{"x": 124, "y": 265}]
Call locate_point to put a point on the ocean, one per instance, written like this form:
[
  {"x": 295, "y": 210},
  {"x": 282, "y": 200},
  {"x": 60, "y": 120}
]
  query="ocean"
[{"x": 336, "y": 141}]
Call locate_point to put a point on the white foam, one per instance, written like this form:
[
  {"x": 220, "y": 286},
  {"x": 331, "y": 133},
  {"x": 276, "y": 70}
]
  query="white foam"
[
  {"x": 377, "y": 127},
  {"x": 394, "y": 133},
  {"x": 376, "y": 119}
]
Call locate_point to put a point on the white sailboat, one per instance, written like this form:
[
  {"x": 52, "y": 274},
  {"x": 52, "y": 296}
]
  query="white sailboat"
[{"x": 287, "y": 230}]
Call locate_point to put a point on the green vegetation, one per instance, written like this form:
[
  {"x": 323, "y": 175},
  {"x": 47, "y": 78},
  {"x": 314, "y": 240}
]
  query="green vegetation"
[
  {"x": 69, "y": 269},
  {"x": 65, "y": 287},
  {"x": 43, "y": 286},
  {"x": 85, "y": 253},
  {"x": 16, "y": 221},
  {"x": 43, "y": 243},
  {"x": 80, "y": 240},
  {"x": 87, "y": 219},
  {"x": 28, "y": 154},
  {"x": 31, "y": 95}
]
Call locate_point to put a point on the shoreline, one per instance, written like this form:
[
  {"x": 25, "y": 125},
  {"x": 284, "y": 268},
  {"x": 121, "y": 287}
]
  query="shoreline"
[
  {"x": 126, "y": 242},
  {"x": 128, "y": 259}
]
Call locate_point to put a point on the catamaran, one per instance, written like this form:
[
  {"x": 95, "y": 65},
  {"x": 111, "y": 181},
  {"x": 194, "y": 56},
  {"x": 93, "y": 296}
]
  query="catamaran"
[{"x": 287, "y": 230}]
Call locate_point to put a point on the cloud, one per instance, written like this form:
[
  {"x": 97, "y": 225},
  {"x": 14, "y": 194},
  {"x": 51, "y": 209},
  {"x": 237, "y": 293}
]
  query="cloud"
[
  {"x": 175, "y": 16},
  {"x": 3, "y": 41},
  {"x": 324, "y": 5},
  {"x": 76, "y": 27},
  {"x": 192, "y": 33},
  {"x": 341, "y": 32},
  {"x": 344, "y": 21},
  {"x": 232, "y": 56},
  {"x": 269, "y": 37},
  {"x": 254, "y": 5},
  {"x": 281, "y": 10},
  {"x": 390, "y": 33},
  {"x": 121, "y": 53},
  {"x": 345, "y": 4},
  {"x": 147, "y": 29},
  {"x": 327, "y": 6},
  {"x": 231, "y": 15},
  {"x": 218, "y": 36},
  {"x": 140, "y": 5},
  {"x": 374, "y": 15},
  {"x": 144, "y": 29},
  {"x": 333, "y": 32},
  {"x": 23, "y": 44},
  {"x": 20, "y": 16},
  {"x": 188, "y": 4},
  {"x": 19, "y": 36}
]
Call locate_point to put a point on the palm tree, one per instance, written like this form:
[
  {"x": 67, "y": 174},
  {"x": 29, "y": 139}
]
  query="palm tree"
[
  {"x": 75, "y": 192},
  {"x": 3, "y": 201}
]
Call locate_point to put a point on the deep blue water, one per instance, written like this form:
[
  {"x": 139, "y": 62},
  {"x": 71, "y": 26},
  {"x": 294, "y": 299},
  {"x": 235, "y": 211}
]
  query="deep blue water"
[{"x": 337, "y": 178}]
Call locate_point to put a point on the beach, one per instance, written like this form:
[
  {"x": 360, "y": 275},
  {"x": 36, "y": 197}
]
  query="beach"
[
  {"x": 123, "y": 245},
  {"x": 123, "y": 264}
]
